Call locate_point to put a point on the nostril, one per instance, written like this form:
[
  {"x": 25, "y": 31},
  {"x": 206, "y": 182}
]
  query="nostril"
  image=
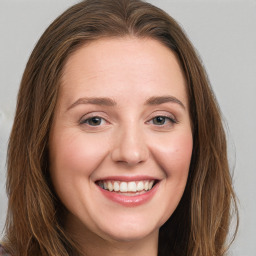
[
  {"x": 130, "y": 148},
  {"x": 129, "y": 157}
]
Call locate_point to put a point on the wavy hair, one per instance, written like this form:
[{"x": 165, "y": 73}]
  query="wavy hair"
[{"x": 200, "y": 224}]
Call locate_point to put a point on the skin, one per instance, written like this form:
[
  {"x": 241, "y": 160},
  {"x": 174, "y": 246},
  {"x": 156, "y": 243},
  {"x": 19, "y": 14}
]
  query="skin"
[{"x": 128, "y": 140}]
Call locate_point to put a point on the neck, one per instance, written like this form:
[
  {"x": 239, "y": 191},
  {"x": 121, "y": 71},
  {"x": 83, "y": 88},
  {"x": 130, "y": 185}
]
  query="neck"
[{"x": 146, "y": 246}]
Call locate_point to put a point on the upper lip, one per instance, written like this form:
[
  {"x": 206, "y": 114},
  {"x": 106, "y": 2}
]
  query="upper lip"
[{"x": 127, "y": 178}]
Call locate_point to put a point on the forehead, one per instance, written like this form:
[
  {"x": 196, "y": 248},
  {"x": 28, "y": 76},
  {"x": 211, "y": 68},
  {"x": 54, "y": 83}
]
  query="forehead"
[{"x": 109, "y": 65}]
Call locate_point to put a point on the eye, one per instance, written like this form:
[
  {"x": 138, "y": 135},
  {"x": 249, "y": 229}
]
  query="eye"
[
  {"x": 163, "y": 121},
  {"x": 159, "y": 120},
  {"x": 94, "y": 121}
]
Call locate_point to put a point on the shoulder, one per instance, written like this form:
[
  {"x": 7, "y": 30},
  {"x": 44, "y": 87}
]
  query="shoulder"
[{"x": 2, "y": 251}]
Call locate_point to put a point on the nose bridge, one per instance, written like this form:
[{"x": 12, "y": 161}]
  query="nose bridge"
[{"x": 130, "y": 146}]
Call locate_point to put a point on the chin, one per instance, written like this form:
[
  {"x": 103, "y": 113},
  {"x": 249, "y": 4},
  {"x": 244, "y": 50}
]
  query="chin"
[
  {"x": 131, "y": 236},
  {"x": 130, "y": 232}
]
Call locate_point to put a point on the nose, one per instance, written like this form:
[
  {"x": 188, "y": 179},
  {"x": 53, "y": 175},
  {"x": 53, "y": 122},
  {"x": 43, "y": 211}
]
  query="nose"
[{"x": 130, "y": 147}]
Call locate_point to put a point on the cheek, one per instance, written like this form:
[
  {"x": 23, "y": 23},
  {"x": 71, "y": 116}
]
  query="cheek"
[
  {"x": 174, "y": 154},
  {"x": 77, "y": 154},
  {"x": 73, "y": 159}
]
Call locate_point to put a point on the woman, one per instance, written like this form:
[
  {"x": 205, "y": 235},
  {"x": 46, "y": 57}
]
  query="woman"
[{"x": 117, "y": 146}]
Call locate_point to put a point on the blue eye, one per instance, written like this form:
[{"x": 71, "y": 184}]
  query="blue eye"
[{"x": 93, "y": 121}]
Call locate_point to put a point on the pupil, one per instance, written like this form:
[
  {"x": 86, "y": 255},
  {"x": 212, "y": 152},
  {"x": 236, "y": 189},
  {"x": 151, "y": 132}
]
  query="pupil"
[
  {"x": 159, "y": 120},
  {"x": 95, "y": 121}
]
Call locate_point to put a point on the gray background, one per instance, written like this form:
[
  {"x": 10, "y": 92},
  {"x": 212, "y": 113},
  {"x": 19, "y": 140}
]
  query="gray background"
[{"x": 224, "y": 33}]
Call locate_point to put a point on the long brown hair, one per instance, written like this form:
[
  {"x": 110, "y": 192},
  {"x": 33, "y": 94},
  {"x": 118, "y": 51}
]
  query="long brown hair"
[{"x": 200, "y": 224}]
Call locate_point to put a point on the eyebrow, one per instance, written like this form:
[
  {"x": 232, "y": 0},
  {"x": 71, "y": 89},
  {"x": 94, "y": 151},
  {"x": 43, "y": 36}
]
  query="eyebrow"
[
  {"x": 102, "y": 101},
  {"x": 164, "y": 99},
  {"x": 95, "y": 101}
]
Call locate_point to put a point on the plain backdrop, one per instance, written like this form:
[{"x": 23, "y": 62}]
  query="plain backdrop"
[{"x": 224, "y": 34}]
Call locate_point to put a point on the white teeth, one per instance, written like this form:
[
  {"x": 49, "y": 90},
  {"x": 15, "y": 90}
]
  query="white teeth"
[
  {"x": 140, "y": 186},
  {"x": 122, "y": 186},
  {"x": 150, "y": 184},
  {"x": 146, "y": 185},
  {"x": 116, "y": 186},
  {"x": 132, "y": 186},
  {"x": 110, "y": 186}
]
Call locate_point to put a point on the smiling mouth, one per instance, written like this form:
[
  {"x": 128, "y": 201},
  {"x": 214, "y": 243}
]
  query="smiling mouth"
[{"x": 127, "y": 188}]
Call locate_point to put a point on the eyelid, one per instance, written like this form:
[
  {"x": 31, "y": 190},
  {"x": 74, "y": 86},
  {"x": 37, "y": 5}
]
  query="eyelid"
[
  {"x": 166, "y": 114},
  {"x": 171, "y": 117},
  {"x": 86, "y": 121},
  {"x": 172, "y": 120},
  {"x": 92, "y": 115}
]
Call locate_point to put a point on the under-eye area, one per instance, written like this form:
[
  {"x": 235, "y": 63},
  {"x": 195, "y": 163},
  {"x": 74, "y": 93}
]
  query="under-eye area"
[{"x": 131, "y": 187}]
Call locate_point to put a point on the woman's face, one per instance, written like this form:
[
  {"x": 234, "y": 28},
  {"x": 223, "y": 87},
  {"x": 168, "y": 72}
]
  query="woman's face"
[{"x": 121, "y": 140}]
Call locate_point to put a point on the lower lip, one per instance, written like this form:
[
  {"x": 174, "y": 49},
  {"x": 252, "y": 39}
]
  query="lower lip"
[{"x": 130, "y": 201}]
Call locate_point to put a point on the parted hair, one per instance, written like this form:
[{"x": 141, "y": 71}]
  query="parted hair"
[{"x": 34, "y": 226}]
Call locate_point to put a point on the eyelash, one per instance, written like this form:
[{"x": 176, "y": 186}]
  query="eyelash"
[
  {"x": 170, "y": 119},
  {"x": 165, "y": 118},
  {"x": 86, "y": 121}
]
